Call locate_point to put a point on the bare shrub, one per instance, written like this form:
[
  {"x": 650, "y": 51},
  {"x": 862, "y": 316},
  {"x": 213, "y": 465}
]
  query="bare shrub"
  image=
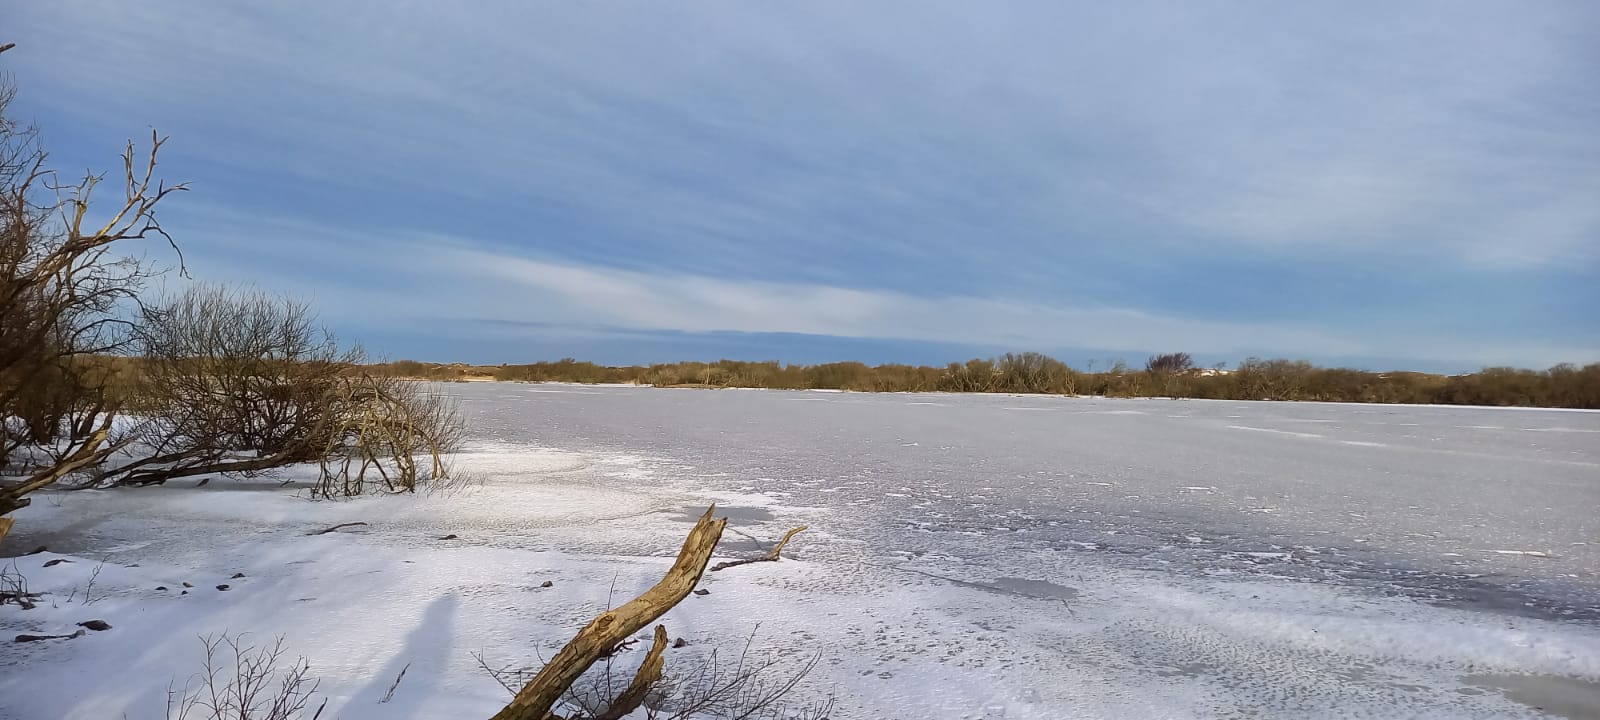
[
  {"x": 236, "y": 382},
  {"x": 1259, "y": 379},
  {"x": 245, "y": 682},
  {"x": 391, "y": 431},
  {"x": 755, "y": 686},
  {"x": 240, "y": 382},
  {"x": 1169, "y": 373},
  {"x": 973, "y": 376},
  {"x": 758, "y": 687},
  {"x": 1169, "y": 363}
]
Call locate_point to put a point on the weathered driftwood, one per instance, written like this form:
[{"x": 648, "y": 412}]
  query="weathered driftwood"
[
  {"x": 649, "y": 673},
  {"x": 335, "y": 528},
  {"x": 5, "y": 527},
  {"x": 536, "y": 699},
  {"x": 771, "y": 556}
]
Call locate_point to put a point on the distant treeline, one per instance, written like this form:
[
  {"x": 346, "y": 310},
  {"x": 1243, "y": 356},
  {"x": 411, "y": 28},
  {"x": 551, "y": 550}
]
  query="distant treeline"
[{"x": 1171, "y": 375}]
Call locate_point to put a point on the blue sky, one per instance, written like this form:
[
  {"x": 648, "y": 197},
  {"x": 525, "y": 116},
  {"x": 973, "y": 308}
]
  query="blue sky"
[{"x": 1384, "y": 185}]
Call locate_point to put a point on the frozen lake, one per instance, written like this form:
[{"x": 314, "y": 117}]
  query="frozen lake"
[
  {"x": 1291, "y": 515},
  {"x": 969, "y": 557},
  {"x": 1487, "y": 509}
]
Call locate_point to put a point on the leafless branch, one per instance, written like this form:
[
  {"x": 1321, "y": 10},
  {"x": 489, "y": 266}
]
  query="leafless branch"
[
  {"x": 260, "y": 685},
  {"x": 14, "y": 588},
  {"x": 772, "y": 555}
]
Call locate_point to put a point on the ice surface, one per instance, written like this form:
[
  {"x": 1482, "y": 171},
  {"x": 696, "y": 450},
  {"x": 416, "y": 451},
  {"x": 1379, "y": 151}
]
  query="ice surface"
[{"x": 1086, "y": 558}]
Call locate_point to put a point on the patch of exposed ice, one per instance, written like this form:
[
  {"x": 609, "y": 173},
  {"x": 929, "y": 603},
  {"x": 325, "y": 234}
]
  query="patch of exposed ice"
[{"x": 1275, "y": 432}]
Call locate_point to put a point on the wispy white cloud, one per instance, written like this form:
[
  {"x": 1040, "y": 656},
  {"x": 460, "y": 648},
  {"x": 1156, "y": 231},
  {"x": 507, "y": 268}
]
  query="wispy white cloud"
[
  {"x": 1380, "y": 127},
  {"x": 704, "y": 304},
  {"x": 691, "y": 303},
  {"x": 397, "y": 279}
]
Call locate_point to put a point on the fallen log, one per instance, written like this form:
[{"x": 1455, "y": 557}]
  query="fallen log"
[{"x": 537, "y": 699}]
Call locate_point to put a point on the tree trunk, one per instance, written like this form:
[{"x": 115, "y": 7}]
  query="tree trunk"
[
  {"x": 93, "y": 451},
  {"x": 158, "y": 476}
]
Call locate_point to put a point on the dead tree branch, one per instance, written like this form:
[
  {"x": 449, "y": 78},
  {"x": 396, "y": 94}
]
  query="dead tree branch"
[
  {"x": 648, "y": 675},
  {"x": 36, "y": 638},
  {"x": 325, "y": 531},
  {"x": 538, "y": 698},
  {"x": 771, "y": 556},
  {"x": 90, "y": 451}
]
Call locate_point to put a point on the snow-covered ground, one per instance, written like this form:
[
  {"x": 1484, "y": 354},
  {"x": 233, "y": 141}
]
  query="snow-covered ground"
[{"x": 968, "y": 557}]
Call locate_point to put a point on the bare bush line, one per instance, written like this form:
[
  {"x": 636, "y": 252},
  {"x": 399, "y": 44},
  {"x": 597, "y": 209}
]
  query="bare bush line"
[{"x": 1167, "y": 375}]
